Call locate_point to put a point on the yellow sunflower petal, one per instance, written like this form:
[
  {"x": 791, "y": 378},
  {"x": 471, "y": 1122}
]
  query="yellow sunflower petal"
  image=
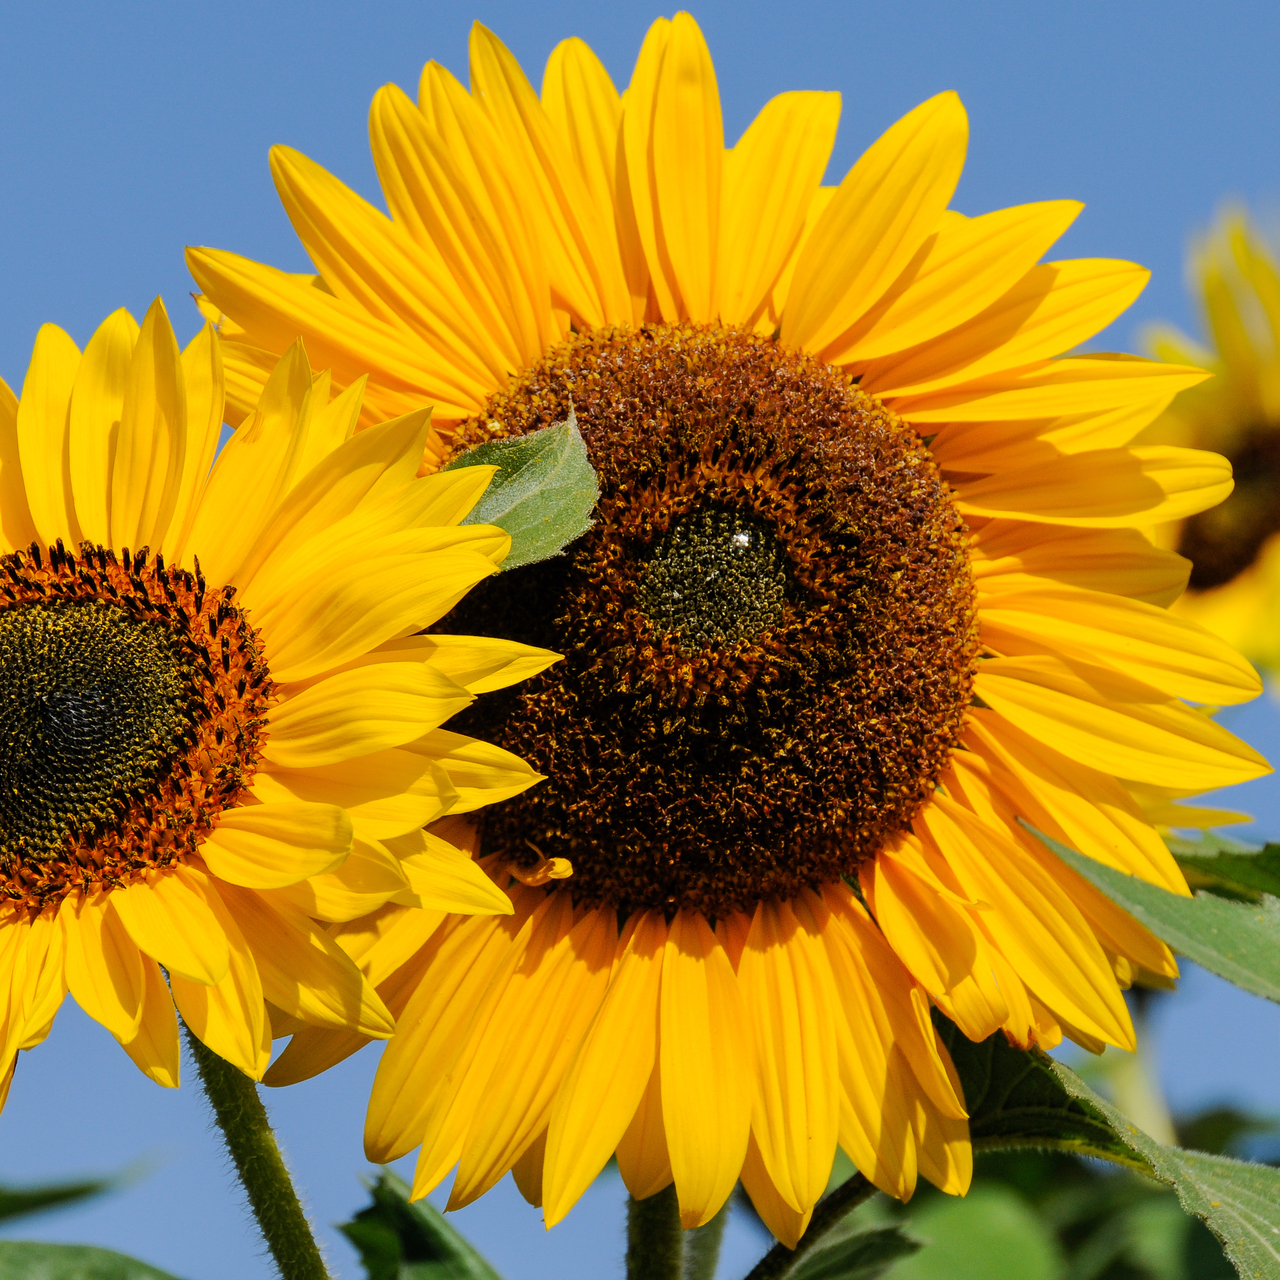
[
  {"x": 368, "y": 878},
  {"x": 265, "y": 846},
  {"x": 42, "y": 435},
  {"x": 889, "y": 203},
  {"x": 775, "y": 1211},
  {"x": 1104, "y": 488},
  {"x": 1177, "y": 657},
  {"x": 172, "y": 924},
  {"x": 104, "y": 966},
  {"x": 1113, "y": 724},
  {"x": 769, "y": 180},
  {"x": 480, "y": 772},
  {"x": 354, "y": 713},
  {"x": 97, "y": 400},
  {"x": 302, "y": 970},
  {"x": 791, "y": 1000},
  {"x": 969, "y": 263},
  {"x": 481, "y": 664},
  {"x": 16, "y": 527},
  {"x": 706, "y": 1064},
  {"x": 151, "y": 441},
  {"x": 610, "y": 1071},
  {"x": 444, "y": 878},
  {"x": 156, "y": 1050}
]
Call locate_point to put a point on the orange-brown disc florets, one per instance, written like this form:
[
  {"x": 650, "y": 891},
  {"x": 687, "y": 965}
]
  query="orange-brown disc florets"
[
  {"x": 769, "y": 634},
  {"x": 133, "y": 704}
]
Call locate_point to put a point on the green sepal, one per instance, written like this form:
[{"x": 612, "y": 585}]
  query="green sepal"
[
  {"x": 399, "y": 1240},
  {"x": 542, "y": 494},
  {"x": 28, "y": 1260},
  {"x": 1236, "y": 940}
]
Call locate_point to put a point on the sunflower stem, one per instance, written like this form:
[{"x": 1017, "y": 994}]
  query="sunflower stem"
[
  {"x": 247, "y": 1132},
  {"x": 844, "y": 1199},
  {"x": 655, "y": 1239},
  {"x": 702, "y": 1246}
]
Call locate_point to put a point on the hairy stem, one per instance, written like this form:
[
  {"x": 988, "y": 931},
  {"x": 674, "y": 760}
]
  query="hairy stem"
[
  {"x": 844, "y": 1199},
  {"x": 702, "y": 1246},
  {"x": 655, "y": 1240},
  {"x": 252, "y": 1146}
]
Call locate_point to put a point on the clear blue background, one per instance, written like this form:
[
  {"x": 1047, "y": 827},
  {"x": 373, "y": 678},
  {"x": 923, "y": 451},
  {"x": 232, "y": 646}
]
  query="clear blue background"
[{"x": 127, "y": 130}]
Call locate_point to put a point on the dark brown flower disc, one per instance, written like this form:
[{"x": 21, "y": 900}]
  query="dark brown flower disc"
[{"x": 769, "y": 634}]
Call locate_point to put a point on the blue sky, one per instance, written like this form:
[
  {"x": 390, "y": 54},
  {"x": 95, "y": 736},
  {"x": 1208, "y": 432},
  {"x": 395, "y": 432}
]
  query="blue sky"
[{"x": 128, "y": 130}]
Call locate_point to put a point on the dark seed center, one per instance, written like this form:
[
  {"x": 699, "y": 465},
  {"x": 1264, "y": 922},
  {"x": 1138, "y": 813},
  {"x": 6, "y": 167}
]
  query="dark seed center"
[
  {"x": 715, "y": 577},
  {"x": 91, "y": 704}
]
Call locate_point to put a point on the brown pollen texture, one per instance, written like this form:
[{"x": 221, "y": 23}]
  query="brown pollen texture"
[
  {"x": 741, "y": 736},
  {"x": 133, "y": 703}
]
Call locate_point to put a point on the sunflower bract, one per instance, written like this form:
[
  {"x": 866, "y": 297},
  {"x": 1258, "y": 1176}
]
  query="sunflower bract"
[{"x": 866, "y": 586}]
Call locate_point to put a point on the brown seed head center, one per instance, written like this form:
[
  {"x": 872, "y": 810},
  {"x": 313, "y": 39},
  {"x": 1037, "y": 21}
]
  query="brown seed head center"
[
  {"x": 769, "y": 633},
  {"x": 133, "y": 705}
]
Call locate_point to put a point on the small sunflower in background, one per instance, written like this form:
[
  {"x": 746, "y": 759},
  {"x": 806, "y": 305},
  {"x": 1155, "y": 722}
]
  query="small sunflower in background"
[
  {"x": 1234, "y": 548},
  {"x": 866, "y": 588},
  {"x": 219, "y": 727}
]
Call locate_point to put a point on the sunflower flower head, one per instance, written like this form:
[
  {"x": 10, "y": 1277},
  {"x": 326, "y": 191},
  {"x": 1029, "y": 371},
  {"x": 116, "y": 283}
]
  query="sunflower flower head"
[
  {"x": 1234, "y": 548},
  {"x": 220, "y": 729},
  {"x": 866, "y": 592}
]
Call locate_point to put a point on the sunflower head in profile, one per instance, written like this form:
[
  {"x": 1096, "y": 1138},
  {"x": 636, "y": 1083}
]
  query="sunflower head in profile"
[
  {"x": 1234, "y": 548},
  {"x": 220, "y": 726},
  {"x": 865, "y": 592}
]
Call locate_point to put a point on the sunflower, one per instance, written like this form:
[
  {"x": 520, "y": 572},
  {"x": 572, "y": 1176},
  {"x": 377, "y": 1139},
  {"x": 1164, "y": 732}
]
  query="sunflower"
[
  {"x": 1234, "y": 549},
  {"x": 865, "y": 591},
  {"x": 216, "y": 732}
]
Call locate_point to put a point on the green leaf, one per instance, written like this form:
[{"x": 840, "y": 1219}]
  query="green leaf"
[
  {"x": 1015, "y": 1100},
  {"x": 26, "y": 1260},
  {"x": 1237, "y": 941},
  {"x": 1240, "y": 1202},
  {"x": 850, "y": 1252},
  {"x": 402, "y": 1241},
  {"x": 542, "y": 494},
  {"x": 991, "y": 1232},
  {"x": 15, "y": 1202},
  {"x": 1228, "y": 867}
]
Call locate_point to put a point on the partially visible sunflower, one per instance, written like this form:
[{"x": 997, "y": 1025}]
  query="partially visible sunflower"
[
  {"x": 866, "y": 587},
  {"x": 218, "y": 725},
  {"x": 1234, "y": 548}
]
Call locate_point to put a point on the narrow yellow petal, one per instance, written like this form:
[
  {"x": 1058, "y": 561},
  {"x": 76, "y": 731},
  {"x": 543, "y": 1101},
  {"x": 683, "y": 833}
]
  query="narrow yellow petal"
[
  {"x": 1113, "y": 724},
  {"x": 171, "y": 922},
  {"x": 1177, "y": 657},
  {"x": 265, "y": 846},
  {"x": 97, "y": 402},
  {"x": 775, "y": 1211},
  {"x": 42, "y": 424},
  {"x": 643, "y": 1159},
  {"x": 481, "y": 664},
  {"x": 443, "y": 878},
  {"x": 1105, "y": 488},
  {"x": 155, "y": 1050},
  {"x": 151, "y": 444},
  {"x": 480, "y": 772},
  {"x": 889, "y": 203},
  {"x": 967, "y": 265},
  {"x": 1053, "y": 308},
  {"x": 302, "y": 969},
  {"x": 610, "y": 1072},
  {"x": 769, "y": 180},
  {"x": 16, "y": 527},
  {"x": 706, "y": 1065},
  {"x": 104, "y": 965},
  {"x": 790, "y": 995},
  {"x": 356, "y": 712}
]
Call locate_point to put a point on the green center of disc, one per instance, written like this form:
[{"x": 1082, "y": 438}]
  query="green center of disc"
[
  {"x": 92, "y": 703},
  {"x": 715, "y": 577}
]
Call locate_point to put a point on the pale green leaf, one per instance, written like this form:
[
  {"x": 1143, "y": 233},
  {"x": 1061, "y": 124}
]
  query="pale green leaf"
[
  {"x": 26, "y": 1260},
  {"x": 1240, "y": 1202},
  {"x": 542, "y": 494},
  {"x": 1236, "y": 940}
]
